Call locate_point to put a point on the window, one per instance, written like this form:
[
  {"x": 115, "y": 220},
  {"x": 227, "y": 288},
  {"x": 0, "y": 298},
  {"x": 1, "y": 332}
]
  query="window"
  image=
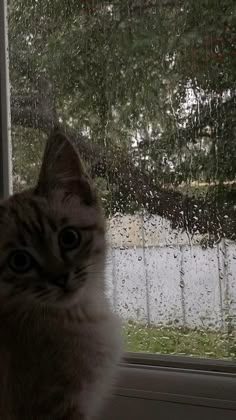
[{"x": 146, "y": 90}]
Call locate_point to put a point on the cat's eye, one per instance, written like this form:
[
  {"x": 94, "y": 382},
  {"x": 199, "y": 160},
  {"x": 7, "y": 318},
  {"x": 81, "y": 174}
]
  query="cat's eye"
[
  {"x": 69, "y": 239},
  {"x": 20, "y": 261}
]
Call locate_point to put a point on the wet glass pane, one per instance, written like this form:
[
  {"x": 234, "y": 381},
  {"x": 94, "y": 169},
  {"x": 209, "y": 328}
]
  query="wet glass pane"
[{"x": 147, "y": 92}]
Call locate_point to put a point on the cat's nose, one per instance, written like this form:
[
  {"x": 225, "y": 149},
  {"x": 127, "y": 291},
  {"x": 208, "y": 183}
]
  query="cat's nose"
[{"x": 60, "y": 280}]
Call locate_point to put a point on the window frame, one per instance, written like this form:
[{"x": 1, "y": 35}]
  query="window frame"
[
  {"x": 172, "y": 387},
  {"x": 144, "y": 367},
  {"x": 5, "y": 116},
  {"x": 180, "y": 362}
]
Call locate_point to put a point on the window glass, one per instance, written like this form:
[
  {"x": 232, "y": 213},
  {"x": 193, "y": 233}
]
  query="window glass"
[{"x": 147, "y": 91}]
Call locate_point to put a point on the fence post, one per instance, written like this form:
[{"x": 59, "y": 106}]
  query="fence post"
[
  {"x": 145, "y": 272},
  {"x": 182, "y": 284}
]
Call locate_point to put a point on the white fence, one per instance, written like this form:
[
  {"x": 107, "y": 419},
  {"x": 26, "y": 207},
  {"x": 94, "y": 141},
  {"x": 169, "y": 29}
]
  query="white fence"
[{"x": 181, "y": 285}]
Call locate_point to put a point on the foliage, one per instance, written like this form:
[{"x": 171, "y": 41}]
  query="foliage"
[{"x": 150, "y": 85}]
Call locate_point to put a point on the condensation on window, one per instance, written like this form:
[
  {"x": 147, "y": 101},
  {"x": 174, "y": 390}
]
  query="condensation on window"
[{"x": 147, "y": 92}]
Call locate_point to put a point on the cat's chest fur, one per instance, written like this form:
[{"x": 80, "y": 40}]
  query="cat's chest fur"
[{"x": 49, "y": 364}]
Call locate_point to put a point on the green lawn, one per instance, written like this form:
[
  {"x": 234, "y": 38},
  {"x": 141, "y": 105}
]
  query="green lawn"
[{"x": 176, "y": 341}]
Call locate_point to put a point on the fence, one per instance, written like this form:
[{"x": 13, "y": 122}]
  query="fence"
[{"x": 150, "y": 280}]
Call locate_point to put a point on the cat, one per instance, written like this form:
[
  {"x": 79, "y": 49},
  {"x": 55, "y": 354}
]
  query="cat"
[{"x": 60, "y": 343}]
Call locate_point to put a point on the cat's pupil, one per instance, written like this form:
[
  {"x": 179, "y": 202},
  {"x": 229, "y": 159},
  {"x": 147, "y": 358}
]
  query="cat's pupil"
[
  {"x": 69, "y": 239},
  {"x": 20, "y": 261}
]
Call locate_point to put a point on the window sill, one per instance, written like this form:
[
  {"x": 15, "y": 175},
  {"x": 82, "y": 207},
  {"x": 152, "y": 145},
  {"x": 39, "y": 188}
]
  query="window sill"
[
  {"x": 189, "y": 381},
  {"x": 183, "y": 362}
]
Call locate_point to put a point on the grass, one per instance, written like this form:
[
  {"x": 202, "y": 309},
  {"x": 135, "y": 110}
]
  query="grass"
[{"x": 198, "y": 343}]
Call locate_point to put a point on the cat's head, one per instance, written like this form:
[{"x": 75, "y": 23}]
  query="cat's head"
[{"x": 52, "y": 240}]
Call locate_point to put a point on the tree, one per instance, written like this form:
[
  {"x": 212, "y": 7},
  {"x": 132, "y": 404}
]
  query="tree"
[{"x": 117, "y": 76}]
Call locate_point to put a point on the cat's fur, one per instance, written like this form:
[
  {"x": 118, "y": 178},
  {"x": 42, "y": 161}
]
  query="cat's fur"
[{"x": 59, "y": 342}]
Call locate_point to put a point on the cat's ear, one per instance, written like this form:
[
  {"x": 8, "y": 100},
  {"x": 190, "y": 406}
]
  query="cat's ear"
[{"x": 63, "y": 169}]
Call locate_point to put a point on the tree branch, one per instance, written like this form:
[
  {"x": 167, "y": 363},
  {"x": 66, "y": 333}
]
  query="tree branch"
[
  {"x": 28, "y": 112},
  {"x": 188, "y": 213}
]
